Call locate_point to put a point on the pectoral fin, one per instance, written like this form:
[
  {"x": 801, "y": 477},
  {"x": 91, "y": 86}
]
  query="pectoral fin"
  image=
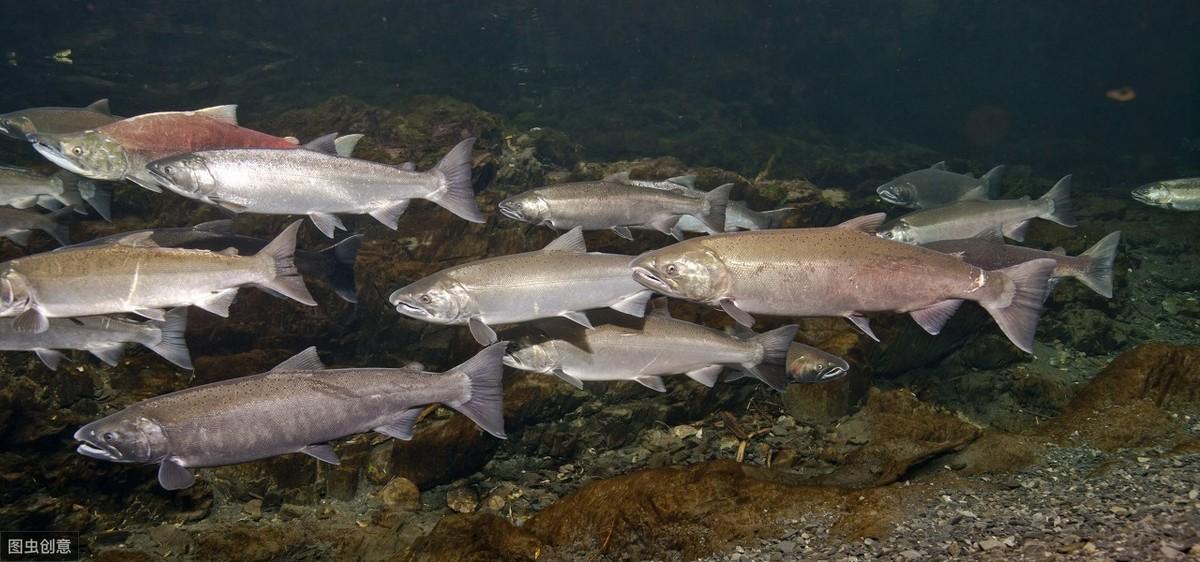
[
  {"x": 570, "y": 379},
  {"x": 322, "y": 452},
  {"x": 740, "y": 316},
  {"x": 173, "y": 476},
  {"x": 623, "y": 232},
  {"x": 481, "y": 332},
  {"x": 50, "y": 357},
  {"x": 32, "y": 321}
]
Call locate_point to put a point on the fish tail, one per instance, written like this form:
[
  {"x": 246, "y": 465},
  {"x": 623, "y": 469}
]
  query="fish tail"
[
  {"x": 1099, "y": 273},
  {"x": 484, "y": 402},
  {"x": 341, "y": 258},
  {"x": 1018, "y": 314},
  {"x": 1060, "y": 203},
  {"x": 713, "y": 210},
  {"x": 171, "y": 343},
  {"x": 56, "y": 228},
  {"x": 281, "y": 253},
  {"x": 770, "y": 369},
  {"x": 774, "y": 218},
  {"x": 991, "y": 182},
  {"x": 454, "y": 192},
  {"x": 98, "y": 195}
]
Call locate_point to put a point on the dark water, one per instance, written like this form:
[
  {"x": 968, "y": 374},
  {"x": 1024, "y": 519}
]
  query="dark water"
[{"x": 784, "y": 99}]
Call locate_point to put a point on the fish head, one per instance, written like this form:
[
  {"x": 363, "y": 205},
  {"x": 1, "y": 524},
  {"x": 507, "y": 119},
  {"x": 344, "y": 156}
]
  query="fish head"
[
  {"x": 16, "y": 126},
  {"x": 437, "y": 298},
  {"x": 537, "y": 358},
  {"x": 528, "y": 207},
  {"x": 92, "y": 154},
  {"x": 123, "y": 437},
  {"x": 898, "y": 231},
  {"x": 15, "y": 294},
  {"x": 185, "y": 174},
  {"x": 899, "y": 192},
  {"x": 1154, "y": 194},
  {"x": 810, "y": 365},
  {"x": 686, "y": 271}
]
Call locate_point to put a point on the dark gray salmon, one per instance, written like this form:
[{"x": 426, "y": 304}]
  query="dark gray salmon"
[
  {"x": 297, "y": 407},
  {"x": 1093, "y": 267},
  {"x": 55, "y": 120}
]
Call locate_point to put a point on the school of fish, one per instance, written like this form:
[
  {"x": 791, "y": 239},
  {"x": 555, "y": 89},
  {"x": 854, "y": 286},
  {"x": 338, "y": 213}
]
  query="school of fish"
[{"x": 102, "y": 295}]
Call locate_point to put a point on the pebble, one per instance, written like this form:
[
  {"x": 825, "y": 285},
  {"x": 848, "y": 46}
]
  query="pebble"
[
  {"x": 400, "y": 492},
  {"x": 253, "y": 508},
  {"x": 462, "y": 500},
  {"x": 910, "y": 555},
  {"x": 786, "y": 547},
  {"x": 990, "y": 544}
]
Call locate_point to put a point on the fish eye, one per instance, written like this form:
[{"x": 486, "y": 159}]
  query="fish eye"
[
  {"x": 889, "y": 235},
  {"x": 169, "y": 170},
  {"x": 109, "y": 436},
  {"x": 425, "y": 299},
  {"x": 77, "y": 151},
  {"x": 671, "y": 269}
]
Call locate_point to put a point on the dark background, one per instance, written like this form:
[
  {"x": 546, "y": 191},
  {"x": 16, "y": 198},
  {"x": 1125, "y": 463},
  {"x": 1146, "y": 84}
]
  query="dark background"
[{"x": 994, "y": 81}]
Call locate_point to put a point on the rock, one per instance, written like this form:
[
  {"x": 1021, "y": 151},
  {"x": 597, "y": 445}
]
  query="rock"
[
  {"x": 1128, "y": 403},
  {"x": 462, "y": 500},
  {"x": 253, "y": 508},
  {"x": 476, "y": 537},
  {"x": 990, "y": 544},
  {"x": 898, "y": 431},
  {"x": 786, "y": 547},
  {"x": 400, "y": 493},
  {"x": 995, "y": 452}
]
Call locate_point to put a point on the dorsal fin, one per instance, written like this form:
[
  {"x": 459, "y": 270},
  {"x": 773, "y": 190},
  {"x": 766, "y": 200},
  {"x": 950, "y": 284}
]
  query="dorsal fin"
[
  {"x": 100, "y": 106},
  {"x": 323, "y": 143},
  {"x": 345, "y": 144},
  {"x": 221, "y": 226},
  {"x": 939, "y": 166},
  {"x": 866, "y": 223},
  {"x": 571, "y": 242},
  {"x": 223, "y": 113},
  {"x": 1059, "y": 250},
  {"x": 658, "y": 307},
  {"x": 686, "y": 181},
  {"x": 619, "y": 177},
  {"x": 991, "y": 235},
  {"x": 292, "y": 140},
  {"x": 306, "y": 360},
  {"x": 138, "y": 239}
]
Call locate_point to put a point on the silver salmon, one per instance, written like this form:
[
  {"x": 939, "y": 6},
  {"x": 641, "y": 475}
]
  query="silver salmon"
[
  {"x": 663, "y": 346},
  {"x": 842, "y": 271},
  {"x": 966, "y": 219},
  {"x": 297, "y": 407},
  {"x": 737, "y": 215},
  {"x": 135, "y": 275},
  {"x": 605, "y": 205},
  {"x": 318, "y": 183},
  {"x": 105, "y": 337},
  {"x": 1178, "y": 195},
  {"x": 562, "y": 279}
]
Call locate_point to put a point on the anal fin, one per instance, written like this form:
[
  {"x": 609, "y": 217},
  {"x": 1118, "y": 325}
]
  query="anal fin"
[{"x": 322, "y": 452}]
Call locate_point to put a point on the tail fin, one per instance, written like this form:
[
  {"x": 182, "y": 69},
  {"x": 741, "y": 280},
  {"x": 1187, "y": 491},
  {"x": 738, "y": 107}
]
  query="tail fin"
[
  {"x": 281, "y": 253},
  {"x": 56, "y": 228},
  {"x": 98, "y": 195},
  {"x": 1060, "y": 206},
  {"x": 715, "y": 202},
  {"x": 454, "y": 192},
  {"x": 1099, "y": 274},
  {"x": 991, "y": 182},
  {"x": 171, "y": 344},
  {"x": 775, "y": 218},
  {"x": 485, "y": 397},
  {"x": 341, "y": 258},
  {"x": 1018, "y": 311},
  {"x": 770, "y": 369}
]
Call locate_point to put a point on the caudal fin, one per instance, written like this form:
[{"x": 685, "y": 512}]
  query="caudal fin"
[
  {"x": 287, "y": 281},
  {"x": 454, "y": 192},
  {"x": 484, "y": 402},
  {"x": 1099, "y": 274},
  {"x": 56, "y": 228},
  {"x": 1060, "y": 203},
  {"x": 771, "y": 369},
  {"x": 775, "y": 218},
  {"x": 171, "y": 343},
  {"x": 1017, "y": 311},
  {"x": 712, "y": 213},
  {"x": 341, "y": 258}
]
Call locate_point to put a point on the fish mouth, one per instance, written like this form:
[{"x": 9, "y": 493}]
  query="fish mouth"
[
  {"x": 510, "y": 212},
  {"x": 95, "y": 453},
  {"x": 163, "y": 179},
  {"x": 1142, "y": 195},
  {"x": 408, "y": 309},
  {"x": 648, "y": 278},
  {"x": 511, "y": 361},
  {"x": 54, "y": 154},
  {"x": 888, "y": 196}
]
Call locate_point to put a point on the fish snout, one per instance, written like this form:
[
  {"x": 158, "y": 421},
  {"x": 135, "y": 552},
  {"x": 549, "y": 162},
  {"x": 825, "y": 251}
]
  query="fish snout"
[{"x": 509, "y": 211}]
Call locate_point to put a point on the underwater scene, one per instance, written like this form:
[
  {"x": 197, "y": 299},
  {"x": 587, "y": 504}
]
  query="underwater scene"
[{"x": 600, "y": 281}]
